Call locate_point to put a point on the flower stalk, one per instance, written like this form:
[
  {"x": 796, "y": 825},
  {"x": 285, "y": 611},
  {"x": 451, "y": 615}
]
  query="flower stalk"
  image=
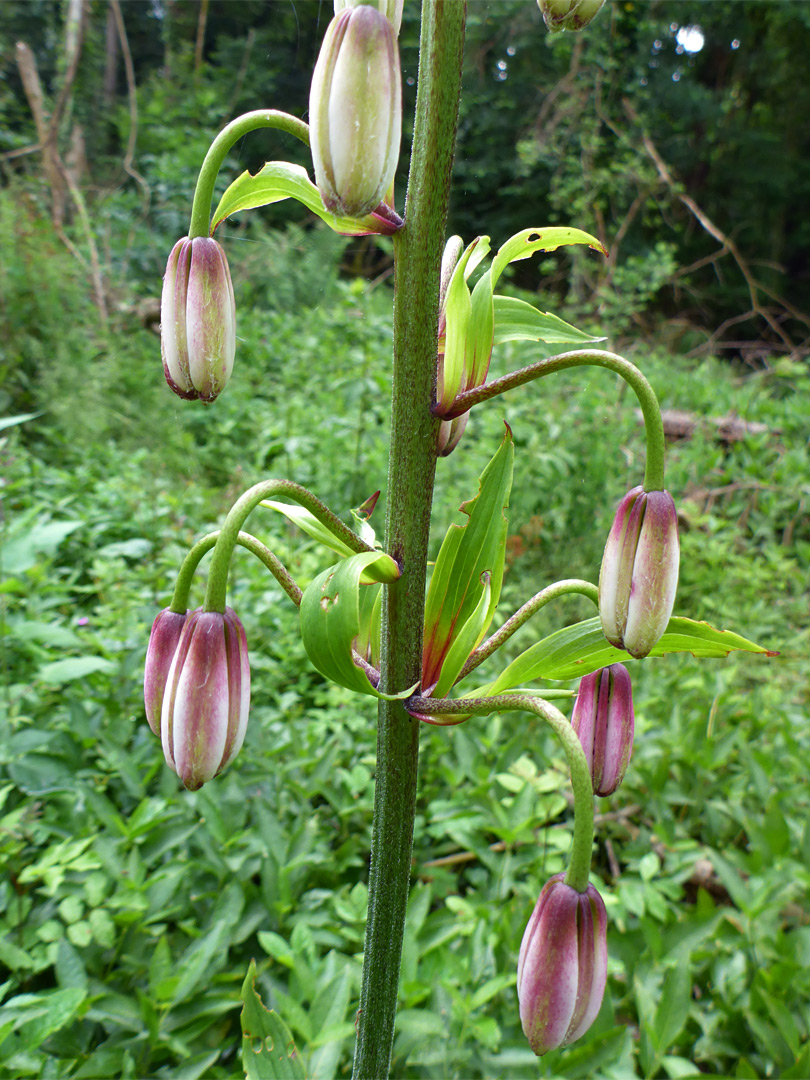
[
  {"x": 218, "y": 151},
  {"x": 228, "y": 537},
  {"x": 580, "y": 861},
  {"x": 653, "y": 424}
]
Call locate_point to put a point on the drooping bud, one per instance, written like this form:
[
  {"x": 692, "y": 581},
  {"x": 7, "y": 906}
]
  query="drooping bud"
[
  {"x": 355, "y": 111},
  {"x": 639, "y": 575},
  {"x": 450, "y": 432},
  {"x": 562, "y": 967},
  {"x": 197, "y": 319},
  {"x": 604, "y": 721},
  {"x": 207, "y": 698},
  {"x": 392, "y": 9},
  {"x": 163, "y": 641},
  {"x": 568, "y": 14}
]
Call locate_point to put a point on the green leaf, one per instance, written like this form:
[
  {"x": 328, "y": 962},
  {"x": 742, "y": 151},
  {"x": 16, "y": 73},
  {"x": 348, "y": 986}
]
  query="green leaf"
[
  {"x": 20, "y": 418},
  {"x": 280, "y": 180},
  {"x": 524, "y": 244},
  {"x": 673, "y": 1007},
  {"x": 74, "y": 667},
  {"x": 368, "y": 637},
  {"x": 458, "y": 310},
  {"x": 466, "y": 640},
  {"x": 330, "y": 618},
  {"x": 515, "y": 320},
  {"x": 582, "y": 648},
  {"x": 467, "y": 553},
  {"x": 268, "y": 1049},
  {"x": 308, "y": 523},
  {"x": 34, "y": 1017},
  {"x": 327, "y": 1013}
]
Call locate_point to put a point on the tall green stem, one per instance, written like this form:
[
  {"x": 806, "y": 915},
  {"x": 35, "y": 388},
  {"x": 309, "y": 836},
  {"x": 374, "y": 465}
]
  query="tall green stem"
[
  {"x": 414, "y": 430},
  {"x": 654, "y": 473},
  {"x": 232, "y": 133}
]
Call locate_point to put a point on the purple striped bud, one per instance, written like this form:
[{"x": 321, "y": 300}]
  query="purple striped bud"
[
  {"x": 568, "y": 14},
  {"x": 639, "y": 575},
  {"x": 207, "y": 697},
  {"x": 355, "y": 111},
  {"x": 159, "y": 655},
  {"x": 562, "y": 968},
  {"x": 197, "y": 319},
  {"x": 604, "y": 721}
]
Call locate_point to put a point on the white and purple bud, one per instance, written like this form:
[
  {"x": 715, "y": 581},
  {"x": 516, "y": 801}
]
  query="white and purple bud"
[
  {"x": 392, "y": 9},
  {"x": 562, "y": 968},
  {"x": 355, "y": 111},
  {"x": 568, "y": 14},
  {"x": 604, "y": 722},
  {"x": 163, "y": 641},
  {"x": 207, "y": 697},
  {"x": 639, "y": 575},
  {"x": 197, "y": 319}
]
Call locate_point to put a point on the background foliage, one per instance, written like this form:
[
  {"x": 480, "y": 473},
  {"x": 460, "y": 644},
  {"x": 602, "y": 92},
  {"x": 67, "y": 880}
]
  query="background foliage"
[{"x": 130, "y": 909}]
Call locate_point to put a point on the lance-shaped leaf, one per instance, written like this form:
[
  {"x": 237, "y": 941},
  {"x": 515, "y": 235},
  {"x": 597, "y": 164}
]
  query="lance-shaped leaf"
[
  {"x": 279, "y": 180},
  {"x": 467, "y": 553},
  {"x": 582, "y": 648},
  {"x": 367, "y": 642},
  {"x": 268, "y": 1049},
  {"x": 466, "y": 640},
  {"x": 524, "y": 244},
  {"x": 308, "y": 523},
  {"x": 331, "y": 618},
  {"x": 515, "y": 320}
]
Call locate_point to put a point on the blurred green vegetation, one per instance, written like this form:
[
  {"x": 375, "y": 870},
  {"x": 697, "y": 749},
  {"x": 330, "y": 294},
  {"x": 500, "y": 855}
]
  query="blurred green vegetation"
[{"x": 129, "y": 908}]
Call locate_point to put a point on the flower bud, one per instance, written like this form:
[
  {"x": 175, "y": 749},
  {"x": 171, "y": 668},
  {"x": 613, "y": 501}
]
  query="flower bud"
[
  {"x": 450, "y": 432},
  {"x": 562, "y": 967},
  {"x": 392, "y": 9},
  {"x": 639, "y": 575},
  {"x": 568, "y": 14},
  {"x": 207, "y": 698},
  {"x": 159, "y": 655},
  {"x": 197, "y": 319},
  {"x": 355, "y": 111},
  {"x": 604, "y": 721}
]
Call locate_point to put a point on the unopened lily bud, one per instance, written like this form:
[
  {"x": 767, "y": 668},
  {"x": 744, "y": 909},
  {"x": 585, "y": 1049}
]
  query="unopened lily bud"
[
  {"x": 163, "y": 641},
  {"x": 355, "y": 111},
  {"x": 392, "y": 9},
  {"x": 450, "y": 432},
  {"x": 197, "y": 319},
  {"x": 604, "y": 721},
  {"x": 562, "y": 968},
  {"x": 568, "y": 14},
  {"x": 207, "y": 697},
  {"x": 639, "y": 575}
]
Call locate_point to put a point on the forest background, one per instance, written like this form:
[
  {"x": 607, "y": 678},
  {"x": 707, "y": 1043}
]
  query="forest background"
[{"x": 130, "y": 909}]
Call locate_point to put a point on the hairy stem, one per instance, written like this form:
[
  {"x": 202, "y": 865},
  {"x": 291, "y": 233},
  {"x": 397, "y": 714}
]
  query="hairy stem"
[
  {"x": 412, "y": 464},
  {"x": 654, "y": 473}
]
